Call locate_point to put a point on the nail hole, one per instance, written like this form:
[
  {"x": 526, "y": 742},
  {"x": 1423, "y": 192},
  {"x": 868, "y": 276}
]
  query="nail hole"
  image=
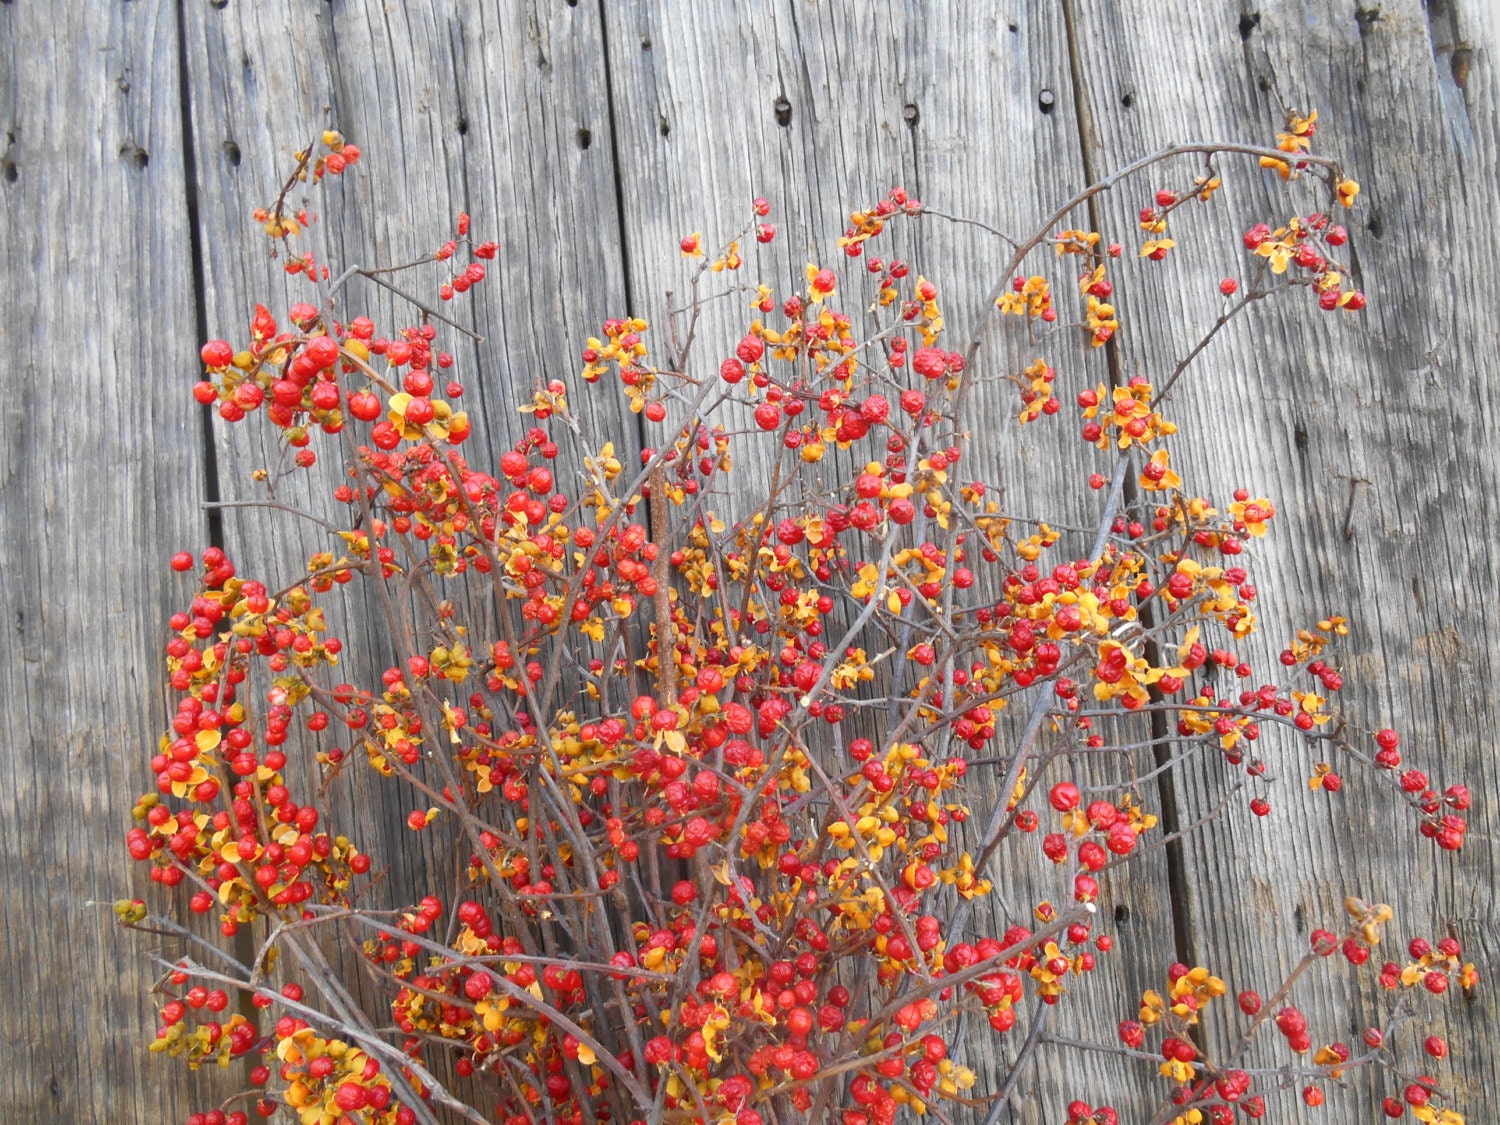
[
  {"x": 123, "y": 84},
  {"x": 1375, "y": 226},
  {"x": 9, "y": 170},
  {"x": 1014, "y": 29},
  {"x": 1046, "y": 100},
  {"x": 645, "y": 44},
  {"x": 219, "y": 5},
  {"x": 585, "y": 138},
  {"x": 135, "y": 155},
  {"x": 1249, "y": 21},
  {"x": 912, "y": 115},
  {"x": 1122, "y": 914},
  {"x": 572, "y": 3},
  {"x": 232, "y": 152},
  {"x": 663, "y": 128},
  {"x": 1463, "y": 59},
  {"x": 463, "y": 126},
  {"x": 1127, "y": 99},
  {"x": 783, "y": 110},
  {"x": 1298, "y": 918}
]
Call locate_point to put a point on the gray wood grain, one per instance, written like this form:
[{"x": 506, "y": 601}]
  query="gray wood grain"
[
  {"x": 1298, "y": 405},
  {"x": 100, "y": 480},
  {"x": 588, "y": 139},
  {"x": 822, "y": 109},
  {"x": 496, "y": 111}
]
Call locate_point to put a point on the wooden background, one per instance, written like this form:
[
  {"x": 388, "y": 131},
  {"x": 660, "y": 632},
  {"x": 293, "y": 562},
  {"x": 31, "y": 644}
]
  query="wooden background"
[{"x": 589, "y": 136}]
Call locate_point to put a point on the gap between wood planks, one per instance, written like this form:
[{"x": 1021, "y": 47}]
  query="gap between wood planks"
[
  {"x": 199, "y": 274},
  {"x": 631, "y": 308},
  {"x": 244, "y": 942},
  {"x": 1171, "y": 819}
]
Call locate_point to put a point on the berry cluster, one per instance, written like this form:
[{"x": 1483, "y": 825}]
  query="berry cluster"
[{"x": 708, "y": 749}]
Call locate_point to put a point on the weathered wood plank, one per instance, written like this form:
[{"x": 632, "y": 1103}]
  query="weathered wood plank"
[
  {"x": 504, "y": 111},
  {"x": 1372, "y": 434},
  {"x": 821, "y": 108},
  {"x": 496, "y": 110},
  {"x": 100, "y": 479}
]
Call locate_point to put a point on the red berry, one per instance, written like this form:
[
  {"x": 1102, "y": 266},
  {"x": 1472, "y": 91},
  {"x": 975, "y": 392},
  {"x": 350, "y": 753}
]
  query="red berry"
[
  {"x": 364, "y": 406},
  {"x": 750, "y": 349},
  {"x": 930, "y": 363},
  {"x": 217, "y": 353},
  {"x": 1064, "y": 796}
]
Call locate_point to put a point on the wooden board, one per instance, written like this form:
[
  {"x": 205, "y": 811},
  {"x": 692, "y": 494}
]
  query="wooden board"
[
  {"x": 99, "y": 339},
  {"x": 589, "y": 138},
  {"x": 822, "y": 109},
  {"x": 457, "y": 107},
  {"x": 1312, "y": 409}
]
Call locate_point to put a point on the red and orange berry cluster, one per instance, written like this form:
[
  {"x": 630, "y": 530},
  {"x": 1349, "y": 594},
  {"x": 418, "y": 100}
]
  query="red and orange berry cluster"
[{"x": 708, "y": 745}]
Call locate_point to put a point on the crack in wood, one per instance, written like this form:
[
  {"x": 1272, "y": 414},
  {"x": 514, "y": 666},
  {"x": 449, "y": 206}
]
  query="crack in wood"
[{"x": 1171, "y": 816}]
